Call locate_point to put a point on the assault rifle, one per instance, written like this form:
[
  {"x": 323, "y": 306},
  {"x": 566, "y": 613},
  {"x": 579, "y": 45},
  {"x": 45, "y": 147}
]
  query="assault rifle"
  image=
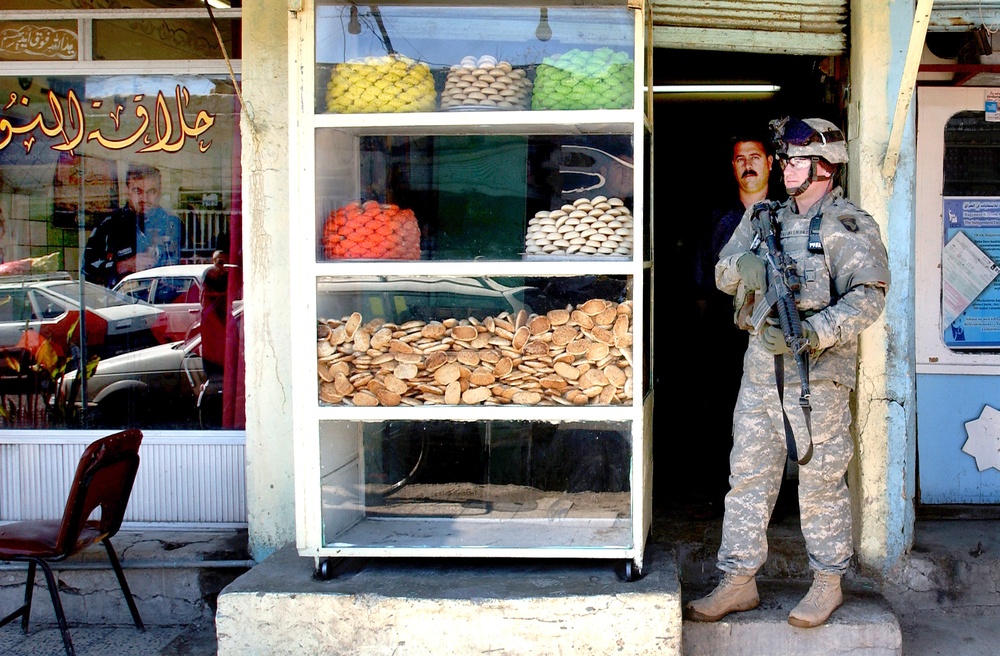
[{"x": 783, "y": 282}]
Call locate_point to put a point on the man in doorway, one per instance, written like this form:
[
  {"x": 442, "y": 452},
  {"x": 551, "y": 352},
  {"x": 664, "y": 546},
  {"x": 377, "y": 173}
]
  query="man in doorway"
[
  {"x": 751, "y": 162},
  {"x": 139, "y": 236},
  {"x": 842, "y": 267}
]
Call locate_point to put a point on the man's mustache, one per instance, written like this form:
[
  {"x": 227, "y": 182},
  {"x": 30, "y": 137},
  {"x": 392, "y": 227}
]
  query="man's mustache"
[{"x": 748, "y": 173}]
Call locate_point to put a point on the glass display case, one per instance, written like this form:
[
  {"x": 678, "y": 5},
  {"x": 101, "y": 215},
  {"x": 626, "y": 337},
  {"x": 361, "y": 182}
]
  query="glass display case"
[{"x": 473, "y": 255}]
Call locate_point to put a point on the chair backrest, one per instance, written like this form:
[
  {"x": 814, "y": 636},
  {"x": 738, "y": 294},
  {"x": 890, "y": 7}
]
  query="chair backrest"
[{"x": 103, "y": 479}]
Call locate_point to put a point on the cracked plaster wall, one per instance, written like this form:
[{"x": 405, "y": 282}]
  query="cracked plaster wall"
[
  {"x": 882, "y": 476},
  {"x": 265, "y": 157}
]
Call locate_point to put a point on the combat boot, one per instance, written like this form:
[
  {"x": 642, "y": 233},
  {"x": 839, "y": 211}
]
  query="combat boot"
[
  {"x": 734, "y": 593},
  {"x": 823, "y": 598}
]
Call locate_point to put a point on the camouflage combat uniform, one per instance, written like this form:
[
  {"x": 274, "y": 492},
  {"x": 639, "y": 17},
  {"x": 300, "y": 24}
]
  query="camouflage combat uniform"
[{"x": 842, "y": 293}]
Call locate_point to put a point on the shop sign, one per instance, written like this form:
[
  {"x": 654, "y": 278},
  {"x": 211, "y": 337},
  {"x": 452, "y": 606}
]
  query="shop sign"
[
  {"x": 160, "y": 128},
  {"x": 28, "y": 42}
]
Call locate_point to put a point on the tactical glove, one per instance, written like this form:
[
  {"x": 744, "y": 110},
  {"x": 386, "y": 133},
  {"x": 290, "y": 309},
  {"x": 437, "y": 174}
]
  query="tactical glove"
[
  {"x": 774, "y": 337},
  {"x": 811, "y": 336},
  {"x": 752, "y": 271}
]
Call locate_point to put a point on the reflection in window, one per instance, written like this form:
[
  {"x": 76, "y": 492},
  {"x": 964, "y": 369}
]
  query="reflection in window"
[
  {"x": 971, "y": 156},
  {"x": 102, "y": 176}
]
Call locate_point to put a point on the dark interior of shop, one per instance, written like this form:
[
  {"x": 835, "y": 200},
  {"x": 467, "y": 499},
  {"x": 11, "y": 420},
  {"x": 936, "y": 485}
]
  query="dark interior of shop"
[{"x": 698, "y": 361}]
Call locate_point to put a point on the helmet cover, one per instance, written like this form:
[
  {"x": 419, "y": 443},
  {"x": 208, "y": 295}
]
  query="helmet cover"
[{"x": 811, "y": 137}]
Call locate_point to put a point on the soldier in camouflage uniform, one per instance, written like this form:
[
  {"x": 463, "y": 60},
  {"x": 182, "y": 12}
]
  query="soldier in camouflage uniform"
[{"x": 842, "y": 266}]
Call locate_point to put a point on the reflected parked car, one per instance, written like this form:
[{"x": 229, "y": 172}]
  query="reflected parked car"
[
  {"x": 175, "y": 289},
  {"x": 49, "y": 305},
  {"x": 164, "y": 386},
  {"x": 427, "y": 298}
]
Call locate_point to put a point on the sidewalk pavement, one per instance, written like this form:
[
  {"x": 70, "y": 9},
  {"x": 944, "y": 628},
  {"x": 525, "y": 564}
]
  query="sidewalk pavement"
[
  {"x": 45, "y": 640},
  {"x": 934, "y": 621}
]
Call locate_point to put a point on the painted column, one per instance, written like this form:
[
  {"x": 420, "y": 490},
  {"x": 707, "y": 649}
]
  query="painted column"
[
  {"x": 882, "y": 477},
  {"x": 265, "y": 126}
]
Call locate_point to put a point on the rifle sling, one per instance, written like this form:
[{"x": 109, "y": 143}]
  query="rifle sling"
[{"x": 793, "y": 452}]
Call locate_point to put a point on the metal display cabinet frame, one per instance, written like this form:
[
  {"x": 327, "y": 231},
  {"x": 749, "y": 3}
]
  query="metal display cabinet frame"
[{"x": 338, "y": 513}]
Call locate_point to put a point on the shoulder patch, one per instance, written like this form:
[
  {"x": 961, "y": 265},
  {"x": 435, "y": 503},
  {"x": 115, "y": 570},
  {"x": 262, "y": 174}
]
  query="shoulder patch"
[{"x": 849, "y": 222}]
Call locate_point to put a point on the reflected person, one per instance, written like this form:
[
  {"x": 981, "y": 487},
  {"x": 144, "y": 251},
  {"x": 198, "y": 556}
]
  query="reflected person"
[{"x": 139, "y": 236}]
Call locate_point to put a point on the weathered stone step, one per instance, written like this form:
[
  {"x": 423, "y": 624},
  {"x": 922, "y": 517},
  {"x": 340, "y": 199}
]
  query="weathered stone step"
[
  {"x": 953, "y": 564},
  {"x": 864, "y": 626},
  {"x": 174, "y": 577},
  {"x": 459, "y": 607}
]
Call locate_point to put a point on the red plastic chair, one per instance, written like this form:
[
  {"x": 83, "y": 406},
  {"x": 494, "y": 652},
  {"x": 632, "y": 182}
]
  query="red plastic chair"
[{"x": 103, "y": 480}]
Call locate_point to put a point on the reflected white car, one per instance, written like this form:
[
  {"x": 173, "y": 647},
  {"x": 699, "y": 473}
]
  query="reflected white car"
[
  {"x": 49, "y": 304},
  {"x": 174, "y": 289},
  {"x": 163, "y": 387}
]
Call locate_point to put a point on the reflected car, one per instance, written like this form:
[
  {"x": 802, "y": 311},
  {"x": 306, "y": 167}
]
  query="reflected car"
[
  {"x": 49, "y": 305},
  {"x": 175, "y": 289},
  {"x": 164, "y": 386},
  {"x": 427, "y": 298}
]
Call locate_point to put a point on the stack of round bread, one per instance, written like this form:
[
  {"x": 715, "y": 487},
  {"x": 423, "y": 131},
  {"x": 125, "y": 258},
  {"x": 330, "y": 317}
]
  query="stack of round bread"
[
  {"x": 484, "y": 82},
  {"x": 599, "y": 226},
  {"x": 577, "y": 355}
]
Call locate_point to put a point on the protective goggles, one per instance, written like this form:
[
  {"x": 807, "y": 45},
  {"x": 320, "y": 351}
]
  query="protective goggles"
[
  {"x": 799, "y": 163},
  {"x": 795, "y": 132}
]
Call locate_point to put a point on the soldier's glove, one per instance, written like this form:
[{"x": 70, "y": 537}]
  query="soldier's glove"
[
  {"x": 774, "y": 337},
  {"x": 811, "y": 336},
  {"x": 752, "y": 270}
]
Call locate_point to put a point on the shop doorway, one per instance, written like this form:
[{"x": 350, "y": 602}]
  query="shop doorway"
[{"x": 698, "y": 353}]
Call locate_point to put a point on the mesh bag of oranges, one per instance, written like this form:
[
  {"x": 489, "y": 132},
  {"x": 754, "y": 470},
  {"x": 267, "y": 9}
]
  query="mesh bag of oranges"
[{"x": 371, "y": 230}]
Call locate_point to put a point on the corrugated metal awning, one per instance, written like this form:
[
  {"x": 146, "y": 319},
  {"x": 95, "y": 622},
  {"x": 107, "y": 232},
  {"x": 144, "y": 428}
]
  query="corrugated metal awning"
[
  {"x": 964, "y": 15},
  {"x": 795, "y": 27}
]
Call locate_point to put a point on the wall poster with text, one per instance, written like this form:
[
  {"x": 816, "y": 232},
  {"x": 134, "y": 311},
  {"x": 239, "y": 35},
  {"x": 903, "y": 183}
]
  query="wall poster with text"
[{"x": 970, "y": 288}]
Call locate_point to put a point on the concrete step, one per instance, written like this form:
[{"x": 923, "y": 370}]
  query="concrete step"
[
  {"x": 459, "y": 607},
  {"x": 864, "y": 626},
  {"x": 953, "y": 565},
  {"x": 175, "y": 577}
]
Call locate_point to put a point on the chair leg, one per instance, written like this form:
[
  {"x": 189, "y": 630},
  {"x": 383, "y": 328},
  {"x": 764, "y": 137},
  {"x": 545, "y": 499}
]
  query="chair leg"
[
  {"x": 57, "y": 607},
  {"x": 24, "y": 611},
  {"x": 28, "y": 589},
  {"x": 113, "y": 557}
]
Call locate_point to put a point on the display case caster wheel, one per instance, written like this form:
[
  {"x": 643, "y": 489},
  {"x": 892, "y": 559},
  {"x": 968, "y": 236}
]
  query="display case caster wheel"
[
  {"x": 632, "y": 571},
  {"x": 329, "y": 568}
]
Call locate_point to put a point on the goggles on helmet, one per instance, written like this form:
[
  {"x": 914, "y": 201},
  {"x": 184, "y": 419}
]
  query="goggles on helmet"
[
  {"x": 796, "y": 132},
  {"x": 796, "y": 162}
]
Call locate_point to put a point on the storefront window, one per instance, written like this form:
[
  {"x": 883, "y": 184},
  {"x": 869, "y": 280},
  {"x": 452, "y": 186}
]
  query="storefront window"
[
  {"x": 68, "y": 30},
  {"x": 120, "y": 195},
  {"x": 970, "y": 299},
  {"x": 191, "y": 38}
]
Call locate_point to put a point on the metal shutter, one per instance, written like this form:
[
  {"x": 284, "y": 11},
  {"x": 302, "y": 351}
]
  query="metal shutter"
[
  {"x": 963, "y": 15},
  {"x": 796, "y": 27}
]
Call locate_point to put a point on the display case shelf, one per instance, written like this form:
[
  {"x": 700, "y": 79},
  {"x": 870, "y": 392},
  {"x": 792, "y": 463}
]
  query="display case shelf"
[
  {"x": 592, "y": 121},
  {"x": 530, "y": 268},
  {"x": 448, "y": 416},
  {"x": 550, "y": 413}
]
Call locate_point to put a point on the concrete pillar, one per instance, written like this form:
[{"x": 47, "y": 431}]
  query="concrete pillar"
[
  {"x": 265, "y": 125},
  {"x": 882, "y": 477}
]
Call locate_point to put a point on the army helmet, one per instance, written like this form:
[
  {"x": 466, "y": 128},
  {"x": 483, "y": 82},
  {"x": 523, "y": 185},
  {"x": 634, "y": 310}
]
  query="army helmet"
[{"x": 811, "y": 137}]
